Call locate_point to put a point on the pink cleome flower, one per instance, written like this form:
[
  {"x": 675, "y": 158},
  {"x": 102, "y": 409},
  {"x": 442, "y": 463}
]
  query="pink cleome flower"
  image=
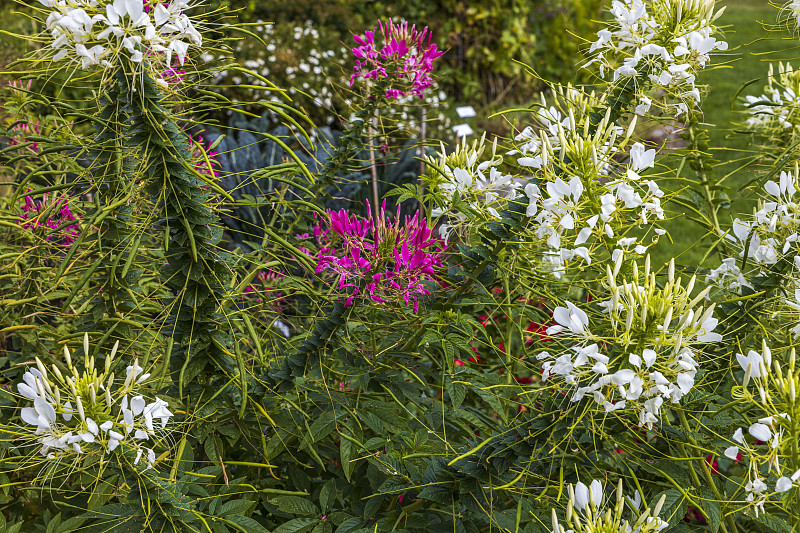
[
  {"x": 406, "y": 54},
  {"x": 59, "y": 216},
  {"x": 383, "y": 261},
  {"x": 199, "y": 161}
]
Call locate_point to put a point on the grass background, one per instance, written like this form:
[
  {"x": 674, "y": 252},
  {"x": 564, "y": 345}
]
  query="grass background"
[{"x": 754, "y": 41}]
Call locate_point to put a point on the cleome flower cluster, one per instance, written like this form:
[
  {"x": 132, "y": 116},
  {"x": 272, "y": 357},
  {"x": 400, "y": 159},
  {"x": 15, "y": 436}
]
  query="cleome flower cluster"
[
  {"x": 769, "y": 236},
  {"x": 406, "y": 55},
  {"x": 763, "y": 444},
  {"x": 594, "y": 198},
  {"x": 52, "y": 215},
  {"x": 648, "y": 357},
  {"x": 90, "y": 33},
  {"x": 775, "y": 113},
  {"x": 586, "y": 512},
  {"x": 658, "y": 42},
  {"x": 91, "y": 412},
  {"x": 466, "y": 188},
  {"x": 381, "y": 260}
]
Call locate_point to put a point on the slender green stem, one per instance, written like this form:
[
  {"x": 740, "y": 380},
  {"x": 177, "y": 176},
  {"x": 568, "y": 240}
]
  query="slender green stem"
[{"x": 708, "y": 477}]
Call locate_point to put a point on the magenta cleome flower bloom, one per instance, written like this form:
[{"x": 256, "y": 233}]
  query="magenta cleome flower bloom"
[
  {"x": 406, "y": 54},
  {"x": 199, "y": 162},
  {"x": 58, "y": 216},
  {"x": 380, "y": 260}
]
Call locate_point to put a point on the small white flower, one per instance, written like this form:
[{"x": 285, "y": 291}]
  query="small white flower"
[
  {"x": 732, "y": 452},
  {"x": 760, "y": 431},
  {"x": 642, "y": 158},
  {"x": 570, "y": 317},
  {"x": 783, "y": 484}
]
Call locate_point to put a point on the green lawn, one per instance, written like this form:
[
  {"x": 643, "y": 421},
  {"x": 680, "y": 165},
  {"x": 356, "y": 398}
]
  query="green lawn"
[{"x": 753, "y": 45}]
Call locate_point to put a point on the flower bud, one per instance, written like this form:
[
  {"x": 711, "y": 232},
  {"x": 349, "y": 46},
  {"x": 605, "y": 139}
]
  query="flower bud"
[
  {"x": 618, "y": 263},
  {"x": 79, "y": 406},
  {"x": 41, "y": 368},
  {"x": 86, "y": 345},
  {"x": 690, "y": 285},
  {"x": 57, "y": 372},
  {"x": 706, "y": 315},
  {"x": 671, "y": 270},
  {"x": 659, "y": 505},
  {"x": 40, "y": 387},
  {"x": 699, "y": 296},
  {"x": 67, "y": 357},
  {"x": 631, "y": 127},
  {"x": 747, "y": 373},
  {"x": 668, "y": 319},
  {"x": 678, "y": 344}
]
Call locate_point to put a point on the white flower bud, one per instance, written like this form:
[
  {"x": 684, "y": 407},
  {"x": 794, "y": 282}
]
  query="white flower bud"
[
  {"x": 41, "y": 368},
  {"x": 79, "y": 406}
]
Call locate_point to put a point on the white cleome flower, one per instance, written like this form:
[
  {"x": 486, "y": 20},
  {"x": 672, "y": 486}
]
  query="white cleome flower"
[{"x": 91, "y": 33}]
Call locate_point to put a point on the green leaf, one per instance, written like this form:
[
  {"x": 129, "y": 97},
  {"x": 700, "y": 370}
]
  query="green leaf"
[
  {"x": 54, "y": 525},
  {"x": 673, "y": 508},
  {"x": 714, "y": 512},
  {"x": 775, "y": 524},
  {"x": 295, "y": 505},
  {"x": 323, "y": 426},
  {"x": 351, "y": 524},
  {"x": 246, "y": 524},
  {"x": 449, "y": 354},
  {"x": 457, "y": 392},
  {"x": 237, "y": 507},
  {"x": 346, "y": 457},
  {"x": 296, "y": 525},
  {"x": 327, "y": 496}
]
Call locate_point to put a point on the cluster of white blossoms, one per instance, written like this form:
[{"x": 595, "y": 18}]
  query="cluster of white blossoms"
[
  {"x": 585, "y": 512},
  {"x": 793, "y": 7},
  {"x": 663, "y": 42},
  {"x": 467, "y": 187},
  {"x": 771, "y": 235},
  {"x": 778, "y": 107},
  {"x": 773, "y": 230},
  {"x": 90, "y": 33},
  {"x": 768, "y": 441},
  {"x": 645, "y": 357},
  {"x": 593, "y": 197},
  {"x": 87, "y": 411},
  {"x": 728, "y": 276}
]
